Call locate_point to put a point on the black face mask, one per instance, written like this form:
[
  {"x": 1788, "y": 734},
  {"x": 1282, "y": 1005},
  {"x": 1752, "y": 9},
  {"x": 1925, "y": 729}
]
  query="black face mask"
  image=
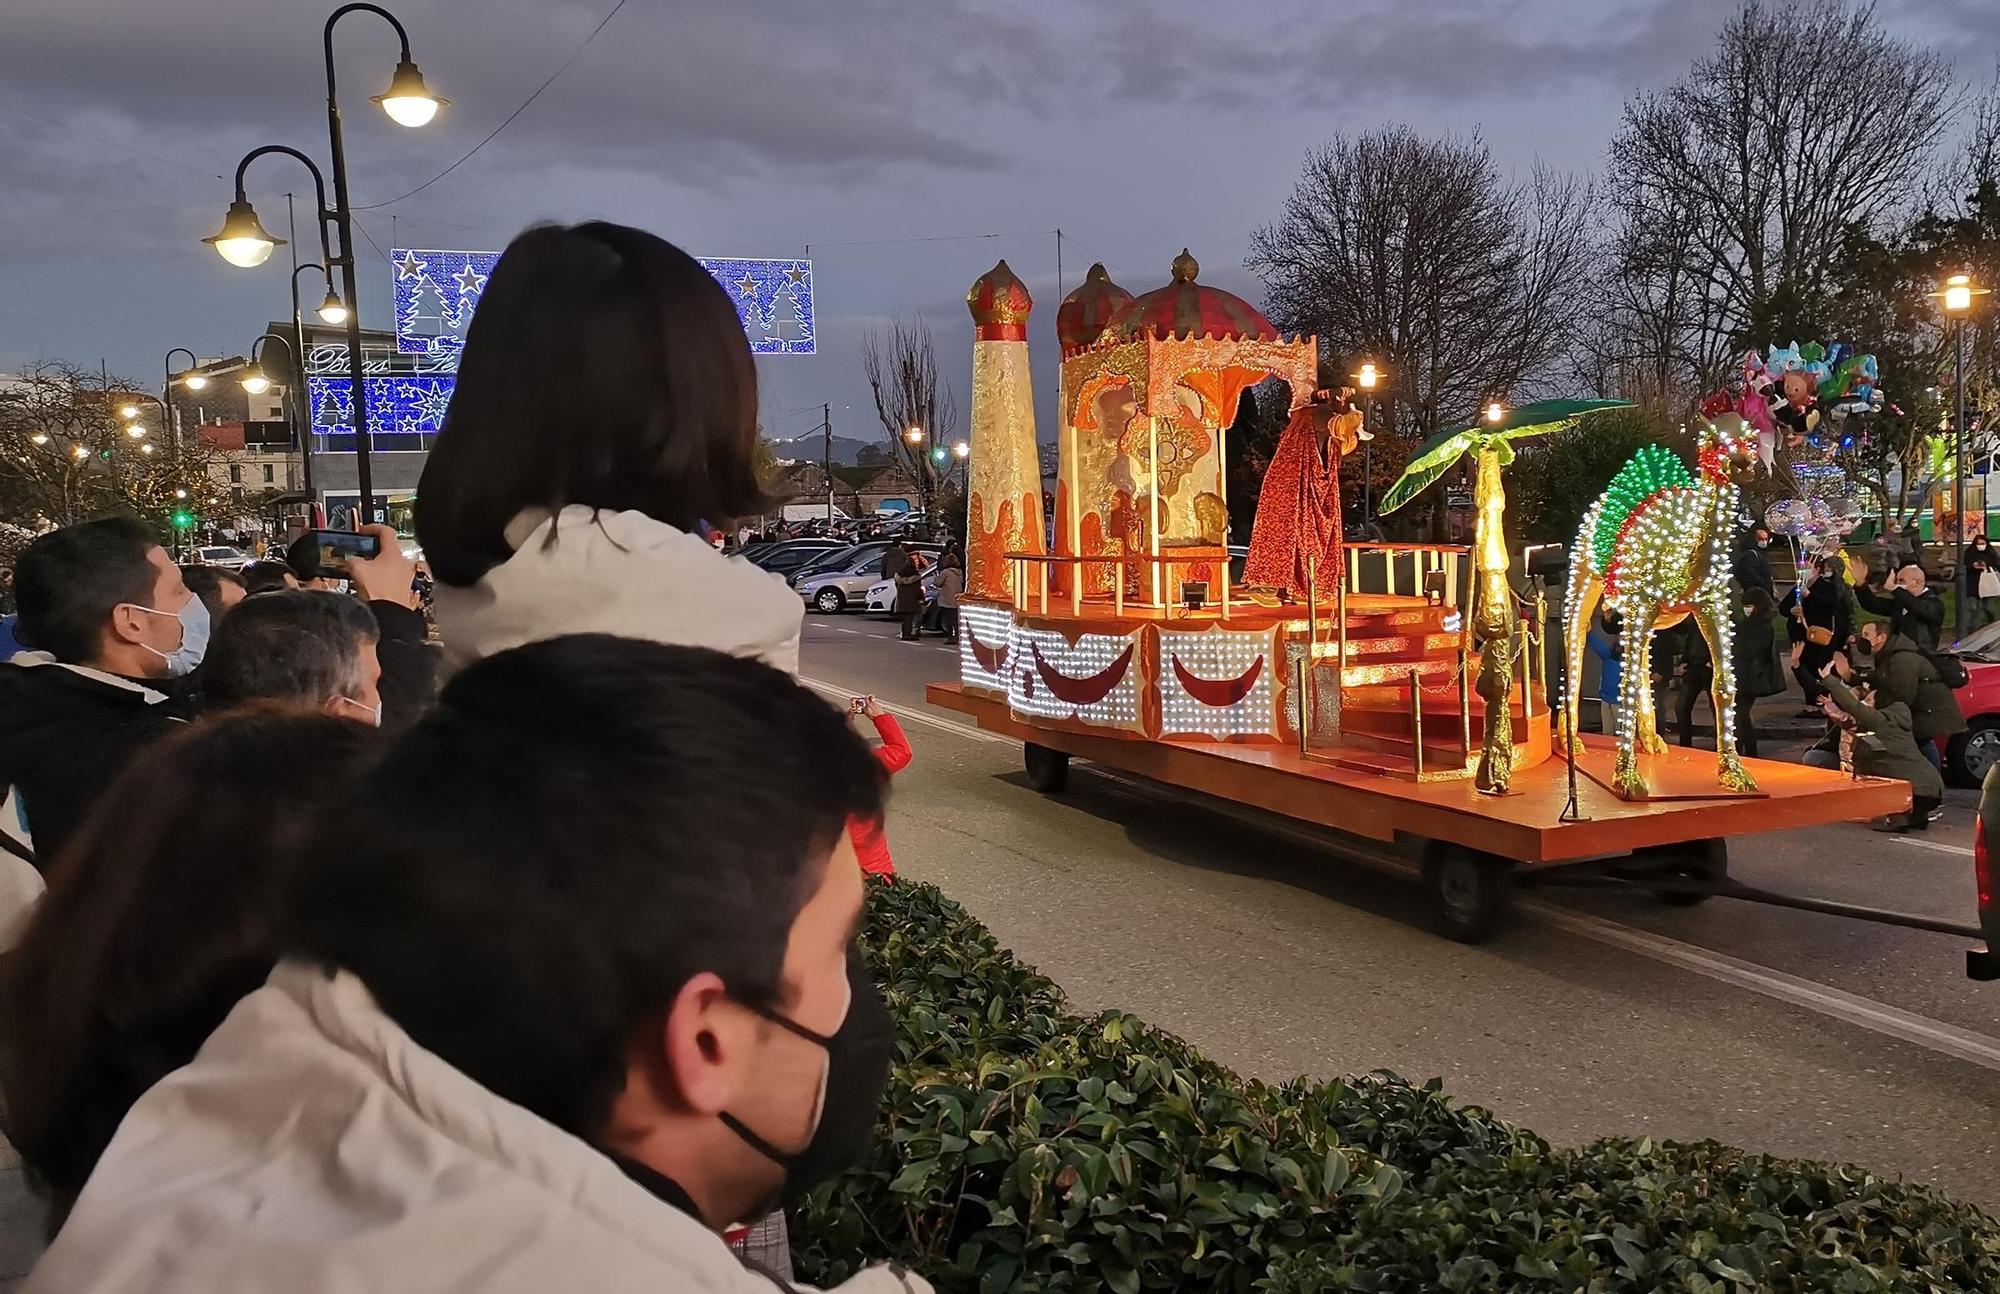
[{"x": 857, "y": 1068}]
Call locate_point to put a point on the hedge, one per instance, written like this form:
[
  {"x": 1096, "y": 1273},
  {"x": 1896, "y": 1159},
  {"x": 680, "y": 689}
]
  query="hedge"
[{"x": 1025, "y": 1148}]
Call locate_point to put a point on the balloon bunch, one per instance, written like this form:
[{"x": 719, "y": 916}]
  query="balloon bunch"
[{"x": 1784, "y": 393}]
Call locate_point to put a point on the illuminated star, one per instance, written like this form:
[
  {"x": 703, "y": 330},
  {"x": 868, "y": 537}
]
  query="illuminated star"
[
  {"x": 796, "y": 274},
  {"x": 409, "y": 267},
  {"x": 470, "y": 280},
  {"x": 747, "y": 284}
]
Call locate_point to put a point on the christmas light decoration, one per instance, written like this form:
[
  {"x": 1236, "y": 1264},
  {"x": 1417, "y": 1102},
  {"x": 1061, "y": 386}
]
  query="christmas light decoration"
[
  {"x": 1219, "y": 656},
  {"x": 1656, "y": 546},
  {"x": 984, "y": 639},
  {"x": 437, "y": 291},
  {"x": 1091, "y": 661}
]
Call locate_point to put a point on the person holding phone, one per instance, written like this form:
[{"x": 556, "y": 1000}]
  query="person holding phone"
[
  {"x": 871, "y": 846},
  {"x": 370, "y": 563}
]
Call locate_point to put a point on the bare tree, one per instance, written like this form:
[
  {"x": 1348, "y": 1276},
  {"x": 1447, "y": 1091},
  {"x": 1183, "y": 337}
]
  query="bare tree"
[
  {"x": 902, "y": 368},
  {"x": 65, "y": 455},
  {"x": 1736, "y": 191},
  {"x": 1416, "y": 253}
]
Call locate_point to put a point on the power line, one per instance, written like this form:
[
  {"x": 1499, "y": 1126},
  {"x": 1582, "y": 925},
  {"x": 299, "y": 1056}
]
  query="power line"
[
  {"x": 106, "y": 139},
  {"x": 937, "y": 238},
  {"x": 371, "y": 241},
  {"x": 510, "y": 116}
]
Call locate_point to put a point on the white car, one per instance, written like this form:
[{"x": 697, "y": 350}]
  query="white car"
[
  {"x": 882, "y": 595},
  {"x": 229, "y": 559}
]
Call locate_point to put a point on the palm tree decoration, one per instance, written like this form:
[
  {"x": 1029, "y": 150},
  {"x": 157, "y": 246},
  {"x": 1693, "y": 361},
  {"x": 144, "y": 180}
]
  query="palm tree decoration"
[{"x": 1490, "y": 440}]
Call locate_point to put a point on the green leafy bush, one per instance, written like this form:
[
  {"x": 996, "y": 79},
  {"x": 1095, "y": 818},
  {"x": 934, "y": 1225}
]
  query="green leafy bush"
[{"x": 1024, "y": 1148}]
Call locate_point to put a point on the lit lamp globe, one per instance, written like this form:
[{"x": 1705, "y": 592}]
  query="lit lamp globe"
[
  {"x": 333, "y": 310},
  {"x": 129, "y": 412},
  {"x": 242, "y": 240},
  {"x": 195, "y": 381},
  {"x": 1367, "y": 377},
  {"x": 962, "y": 449},
  {"x": 1958, "y": 293},
  {"x": 1495, "y": 411},
  {"x": 408, "y": 101},
  {"x": 255, "y": 381}
]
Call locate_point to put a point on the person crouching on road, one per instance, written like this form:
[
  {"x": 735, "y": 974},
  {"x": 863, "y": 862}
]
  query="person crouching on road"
[
  {"x": 1884, "y": 744},
  {"x": 871, "y": 846}
]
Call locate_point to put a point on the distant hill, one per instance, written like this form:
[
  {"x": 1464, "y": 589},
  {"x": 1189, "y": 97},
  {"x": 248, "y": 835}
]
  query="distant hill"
[{"x": 808, "y": 447}]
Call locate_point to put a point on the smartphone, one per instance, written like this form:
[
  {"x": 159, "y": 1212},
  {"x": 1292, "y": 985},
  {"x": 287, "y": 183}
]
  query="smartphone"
[
  {"x": 337, "y": 547},
  {"x": 857, "y": 705}
]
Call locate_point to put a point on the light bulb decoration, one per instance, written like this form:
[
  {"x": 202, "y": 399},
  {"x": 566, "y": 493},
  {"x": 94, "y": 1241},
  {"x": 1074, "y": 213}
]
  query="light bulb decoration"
[{"x": 1655, "y": 548}]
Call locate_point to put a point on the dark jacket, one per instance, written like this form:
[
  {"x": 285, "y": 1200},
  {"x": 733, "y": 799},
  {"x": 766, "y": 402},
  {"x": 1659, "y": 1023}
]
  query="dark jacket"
[
  {"x": 1883, "y": 744},
  {"x": 1825, "y": 606},
  {"x": 409, "y": 664},
  {"x": 1977, "y": 561},
  {"x": 1904, "y": 675},
  {"x": 1917, "y": 617},
  {"x": 1756, "y": 664},
  {"x": 1752, "y": 569},
  {"x": 65, "y": 733}
]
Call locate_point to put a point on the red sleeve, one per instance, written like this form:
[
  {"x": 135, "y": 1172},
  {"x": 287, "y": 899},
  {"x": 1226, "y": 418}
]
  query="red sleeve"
[{"x": 894, "y": 752}]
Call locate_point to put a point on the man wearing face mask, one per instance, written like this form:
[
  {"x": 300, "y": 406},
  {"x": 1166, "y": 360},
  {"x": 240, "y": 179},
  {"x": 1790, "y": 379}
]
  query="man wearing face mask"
[
  {"x": 570, "y": 988},
  {"x": 298, "y": 647},
  {"x": 386, "y": 584},
  {"x": 109, "y": 624}
]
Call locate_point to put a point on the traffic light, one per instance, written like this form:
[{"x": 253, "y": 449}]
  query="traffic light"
[
  {"x": 937, "y": 455},
  {"x": 183, "y": 518}
]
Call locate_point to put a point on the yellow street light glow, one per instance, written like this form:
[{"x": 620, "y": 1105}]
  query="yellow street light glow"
[
  {"x": 408, "y": 101},
  {"x": 129, "y": 412},
  {"x": 1495, "y": 411},
  {"x": 255, "y": 382},
  {"x": 195, "y": 381},
  {"x": 40, "y": 438},
  {"x": 180, "y": 494},
  {"x": 962, "y": 449},
  {"x": 333, "y": 310},
  {"x": 1958, "y": 292},
  {"x": 242, "y": 240},
  {"x": 145, "y": 449},
  {"x": 914, "y": 434},
  {"x": 135, "y": 431},
  {"x": 77, "y": 451},
  {"x": 1368, "y": 376}
]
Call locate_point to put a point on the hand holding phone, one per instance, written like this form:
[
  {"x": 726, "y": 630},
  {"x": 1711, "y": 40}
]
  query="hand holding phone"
[{"x": 337, "y": 548}]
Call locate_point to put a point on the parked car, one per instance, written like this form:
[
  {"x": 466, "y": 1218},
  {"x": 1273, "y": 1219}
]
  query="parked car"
[
  {"x": 793, "y": 554},
  {"x": 882, "y": 594},
  {"x": 1973, "y": 753},
  {"x": 834, "y": 584},
  {"x": 229, "y": 559},
  {"x": 1984, "y": 963}
]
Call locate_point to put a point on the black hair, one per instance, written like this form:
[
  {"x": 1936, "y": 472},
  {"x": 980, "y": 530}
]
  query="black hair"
[
  {"x": 302, "y": 558},
  {"x": 159, "y": 915},
  {"x": 605, "y": 367},
  {"x": 1760, "y": 601},
  {"x": 580, "y": 827},
  {"x": 206, "y": 582},
  {"x": 293, "y": 645},
  {"x": 266, "y": 575},
  {"x": 67, "y": 582}
]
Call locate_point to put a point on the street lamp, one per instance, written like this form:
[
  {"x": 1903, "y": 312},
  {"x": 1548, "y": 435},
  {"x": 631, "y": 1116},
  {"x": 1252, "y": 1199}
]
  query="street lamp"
[
  {"x": 1495, "y": 411},
  {"x": 962, "y": 451},
  {"x": 1957, "y": 297},
  {"x": 244, "y": 241},
  {"x": 915, "y": 435},
  {"x": 1367, "y": 377}
]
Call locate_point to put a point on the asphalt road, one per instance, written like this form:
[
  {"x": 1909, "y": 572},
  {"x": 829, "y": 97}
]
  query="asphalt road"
[{"x": 1595, "y": 1014}]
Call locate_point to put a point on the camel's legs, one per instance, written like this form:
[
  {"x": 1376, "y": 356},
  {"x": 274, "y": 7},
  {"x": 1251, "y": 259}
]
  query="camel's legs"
[
  {"x": 1637, "y": 690},
  {"x": 1585, "y": 592},
  {"x": 1712, "y": 616}
]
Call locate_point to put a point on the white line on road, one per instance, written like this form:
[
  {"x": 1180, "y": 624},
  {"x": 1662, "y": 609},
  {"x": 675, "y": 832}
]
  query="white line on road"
[
  {"x": 1938, "y": 845},
  {"x": 1822, "y": 999}
]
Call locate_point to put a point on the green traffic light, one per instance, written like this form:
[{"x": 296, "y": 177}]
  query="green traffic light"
[{"x": 182, "y": 519}]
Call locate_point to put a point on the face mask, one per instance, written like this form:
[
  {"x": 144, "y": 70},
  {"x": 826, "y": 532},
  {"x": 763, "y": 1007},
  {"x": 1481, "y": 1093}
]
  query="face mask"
[
  {"x": 374, "y": 714},
  {"x": 193, "y": 616},
  {"x": 849, "y": 1098}
]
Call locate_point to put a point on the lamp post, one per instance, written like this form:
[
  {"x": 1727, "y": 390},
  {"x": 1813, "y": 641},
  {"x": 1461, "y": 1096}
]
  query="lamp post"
[
  {"x": 1957, "y": 296},
  {"x": 962, "y": 451},
  {"x": 1366, "y": 378},
  {"x": 915, "y": 436},
  {"x": 243, "y": 240},
  {"x": 331, "y": 310}
]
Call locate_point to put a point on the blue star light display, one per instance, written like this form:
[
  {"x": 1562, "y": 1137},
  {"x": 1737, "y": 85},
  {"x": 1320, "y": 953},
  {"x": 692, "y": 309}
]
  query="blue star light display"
[
  {"x": 405, "y": 410},
  {"x": 436, "y": 292}
]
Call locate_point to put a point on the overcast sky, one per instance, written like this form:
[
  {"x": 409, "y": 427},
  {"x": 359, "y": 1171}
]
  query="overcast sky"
[{"x": 758, "y": 128}]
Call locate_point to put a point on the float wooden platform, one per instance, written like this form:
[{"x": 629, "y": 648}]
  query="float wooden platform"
[{"x": 1522, "y": 826}]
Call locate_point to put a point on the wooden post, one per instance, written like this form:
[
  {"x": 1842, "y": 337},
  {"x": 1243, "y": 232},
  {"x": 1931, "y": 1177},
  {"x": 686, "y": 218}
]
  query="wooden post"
[{"x": 1417, "y": 720}]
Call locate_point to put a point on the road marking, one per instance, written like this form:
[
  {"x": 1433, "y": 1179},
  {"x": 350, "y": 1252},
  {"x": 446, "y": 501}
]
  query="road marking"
[
  {"x": 1821, "y": 999},
  {"x": 1938, "y": 845},
  {"x": 845, "y": 630}
]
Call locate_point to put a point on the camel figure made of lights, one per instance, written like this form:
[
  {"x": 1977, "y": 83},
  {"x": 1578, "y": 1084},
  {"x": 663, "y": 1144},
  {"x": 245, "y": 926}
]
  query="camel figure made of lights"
[{"x": 1655, "y": 546}]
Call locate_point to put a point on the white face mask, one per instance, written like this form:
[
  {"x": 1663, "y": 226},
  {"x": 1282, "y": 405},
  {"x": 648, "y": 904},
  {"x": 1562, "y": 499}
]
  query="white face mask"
[
  {"x": 374, "y": 715},
  {"x": 193, "y": 616}
]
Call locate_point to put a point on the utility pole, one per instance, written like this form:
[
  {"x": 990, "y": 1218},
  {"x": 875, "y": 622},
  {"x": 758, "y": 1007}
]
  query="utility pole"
[{"x": 826, "y": 457}]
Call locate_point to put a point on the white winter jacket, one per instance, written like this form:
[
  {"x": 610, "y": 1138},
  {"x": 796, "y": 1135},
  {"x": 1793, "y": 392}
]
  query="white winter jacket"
[
  {"x": 619, "y": 573},
  {"x": 313, "y": 1148}
]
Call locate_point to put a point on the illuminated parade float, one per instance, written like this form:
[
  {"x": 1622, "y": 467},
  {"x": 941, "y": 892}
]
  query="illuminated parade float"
[{"x": 1394, "y": 692}]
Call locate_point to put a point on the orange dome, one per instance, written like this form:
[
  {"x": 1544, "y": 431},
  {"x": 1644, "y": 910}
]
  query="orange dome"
[
  {"x": 999, "y": 303},
  {"x": 1184, "y": 308},
  {"x": 1083, "y": 314}
]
